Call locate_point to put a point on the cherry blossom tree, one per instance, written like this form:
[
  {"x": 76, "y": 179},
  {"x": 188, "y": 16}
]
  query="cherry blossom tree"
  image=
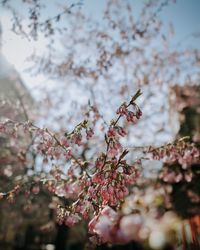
[{"x": 91, "y": 171}]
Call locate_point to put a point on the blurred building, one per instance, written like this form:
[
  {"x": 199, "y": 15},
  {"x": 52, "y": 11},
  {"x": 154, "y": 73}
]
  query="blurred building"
[
  {"x": 185, "y": 111},
  {"x": 14, "y": 96},
  {"x": 15, "y": 101}
]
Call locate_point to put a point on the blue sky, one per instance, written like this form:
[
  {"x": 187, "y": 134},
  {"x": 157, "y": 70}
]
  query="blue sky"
[{"x": 184, "y": 15}]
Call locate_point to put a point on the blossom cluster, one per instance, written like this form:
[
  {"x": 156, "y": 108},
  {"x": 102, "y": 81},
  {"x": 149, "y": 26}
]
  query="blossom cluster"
[
  {"x": 107, "y": 181},
  {"x": 178, "y": 159},
  {"x": 91, "y": 185},
  {"x": 47, "y": 143}
]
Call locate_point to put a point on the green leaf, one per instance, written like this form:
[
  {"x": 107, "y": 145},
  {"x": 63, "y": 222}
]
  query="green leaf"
[{"x": 137, "y": 94}]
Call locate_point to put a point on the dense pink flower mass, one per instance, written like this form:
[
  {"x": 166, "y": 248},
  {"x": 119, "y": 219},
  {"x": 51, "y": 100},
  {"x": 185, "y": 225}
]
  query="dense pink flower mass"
[{"x": 109, "y": 227}]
